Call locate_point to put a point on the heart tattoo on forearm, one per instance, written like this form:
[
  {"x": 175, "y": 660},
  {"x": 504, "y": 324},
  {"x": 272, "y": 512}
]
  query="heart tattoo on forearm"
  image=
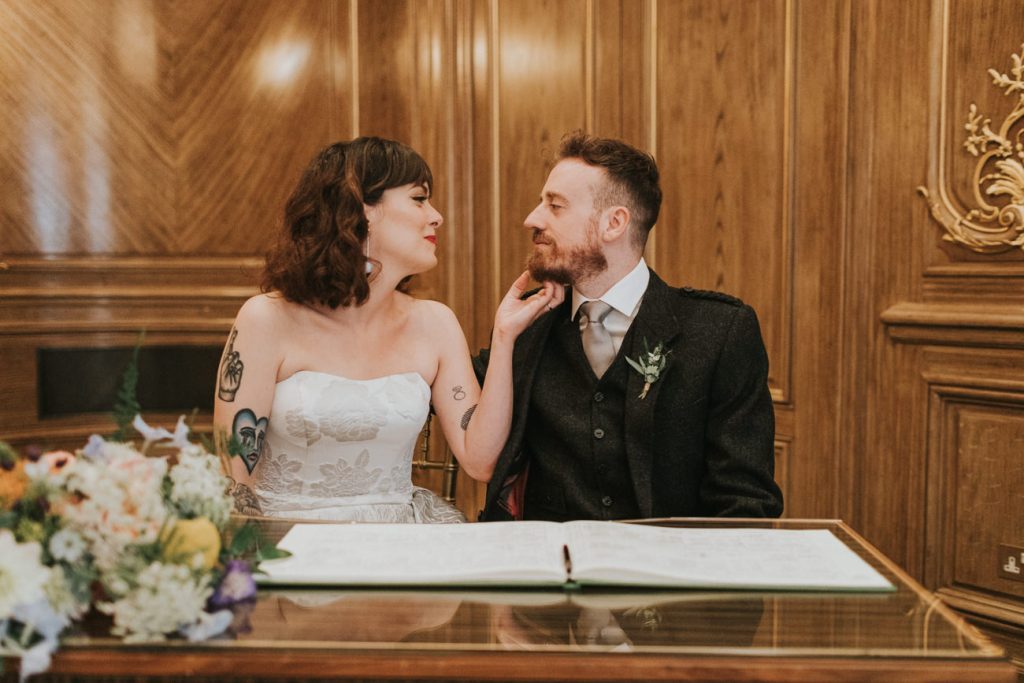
[{"x": 251, "y": 433}]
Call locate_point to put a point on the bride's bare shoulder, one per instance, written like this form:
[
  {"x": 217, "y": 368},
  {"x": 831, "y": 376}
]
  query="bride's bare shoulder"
[
  {"x": 266, "y": 311},
  {"x": 433, "y": 313},
  {"x": 434, "y": 320}
]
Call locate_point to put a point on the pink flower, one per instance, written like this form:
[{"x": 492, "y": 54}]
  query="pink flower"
[{"x": 57, "y": 460}]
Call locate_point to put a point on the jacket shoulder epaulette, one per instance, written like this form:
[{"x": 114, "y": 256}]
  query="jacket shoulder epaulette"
[{"x": 711, "y": 295}]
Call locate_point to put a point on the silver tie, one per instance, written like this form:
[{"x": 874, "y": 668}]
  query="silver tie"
[{"x": 597, "y": 342}]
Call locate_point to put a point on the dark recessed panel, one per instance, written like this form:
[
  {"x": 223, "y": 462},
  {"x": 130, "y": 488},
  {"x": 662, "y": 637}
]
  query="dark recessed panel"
[{"x": 171, "y": 378}]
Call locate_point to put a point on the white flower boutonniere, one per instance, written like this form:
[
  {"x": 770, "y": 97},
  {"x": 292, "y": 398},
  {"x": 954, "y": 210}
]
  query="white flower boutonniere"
[{"x": 650, "y": 365}]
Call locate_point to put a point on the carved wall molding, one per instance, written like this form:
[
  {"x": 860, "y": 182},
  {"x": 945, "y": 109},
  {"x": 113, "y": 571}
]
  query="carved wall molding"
[
  {"x": 127, "y": 271},
  {"x": 995, "y": 223},
  {"x": 956, "y": 324},
  {"x": 57, "y": 296}
]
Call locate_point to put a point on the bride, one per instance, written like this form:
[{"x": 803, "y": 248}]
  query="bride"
[{"x": 328, "y": 376}]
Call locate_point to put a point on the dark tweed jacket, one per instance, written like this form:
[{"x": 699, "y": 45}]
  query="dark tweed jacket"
[{"x": 702, "y": 441}]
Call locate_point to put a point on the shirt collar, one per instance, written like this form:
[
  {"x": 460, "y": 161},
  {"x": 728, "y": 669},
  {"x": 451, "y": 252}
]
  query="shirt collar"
[{"x": 624, "y": 296}]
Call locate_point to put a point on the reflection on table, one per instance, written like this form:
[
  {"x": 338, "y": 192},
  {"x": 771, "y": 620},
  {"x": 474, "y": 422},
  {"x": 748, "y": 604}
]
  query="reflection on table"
[{"x": 585, "y": 634}]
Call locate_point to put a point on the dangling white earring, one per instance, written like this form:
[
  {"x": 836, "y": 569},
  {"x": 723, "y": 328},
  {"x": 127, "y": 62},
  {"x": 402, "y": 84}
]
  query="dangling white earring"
[{"x": 369, "y": 266}]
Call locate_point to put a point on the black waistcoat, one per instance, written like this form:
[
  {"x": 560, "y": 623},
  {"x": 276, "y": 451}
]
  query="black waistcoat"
[{"x": 575, "y": 435}]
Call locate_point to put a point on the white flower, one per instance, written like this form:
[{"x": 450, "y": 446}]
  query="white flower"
[
  {"x": 41, "y": 617},
  {"x": 119, "y": 501},
  {"x": 149, "y": 434},
  {"x": 36, "y": 470},
  {"x": 198, "y": 487},
  {"x": 179, "y": 439},
  {"x": 117, "y": 585},
  {"x": 207, "y": 626},
  {"x": 67, "y": 545},
  {"x": 22, "y": 575},
  {"x": 61, "y": 596},
  {"x": 166, "y": 598},
  {"x": 36, "y": 659},
  {"x": 94, "y": 447}
]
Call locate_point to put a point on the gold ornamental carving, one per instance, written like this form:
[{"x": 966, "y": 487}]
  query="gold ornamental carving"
[{"x": 996, "y": 221}]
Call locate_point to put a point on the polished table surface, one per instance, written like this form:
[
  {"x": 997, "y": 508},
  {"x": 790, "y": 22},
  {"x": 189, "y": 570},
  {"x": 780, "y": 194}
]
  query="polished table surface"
[{"x": 586, "y": 635}]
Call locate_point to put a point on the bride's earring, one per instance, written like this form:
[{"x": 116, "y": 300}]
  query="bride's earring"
[{"x": 369, "y": 266}]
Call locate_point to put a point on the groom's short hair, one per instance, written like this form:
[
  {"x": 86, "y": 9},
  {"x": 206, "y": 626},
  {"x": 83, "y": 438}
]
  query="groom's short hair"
[{"x": 632, "y": 178}]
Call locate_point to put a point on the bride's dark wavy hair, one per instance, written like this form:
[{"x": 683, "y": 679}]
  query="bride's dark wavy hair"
[{"x": 318, "y": 256}]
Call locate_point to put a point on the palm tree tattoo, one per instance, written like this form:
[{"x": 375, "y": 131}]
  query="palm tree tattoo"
[{"x": 231, "y": 368}]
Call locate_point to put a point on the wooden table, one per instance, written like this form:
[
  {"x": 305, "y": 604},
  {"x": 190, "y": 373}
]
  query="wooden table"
[{"x": 593, "y": 635}]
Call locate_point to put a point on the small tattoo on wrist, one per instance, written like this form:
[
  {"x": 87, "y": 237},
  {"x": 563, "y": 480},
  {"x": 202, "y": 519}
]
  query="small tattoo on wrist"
[
  {"x": 458, "y": 393},
  {"x": 467, "y": 416}
]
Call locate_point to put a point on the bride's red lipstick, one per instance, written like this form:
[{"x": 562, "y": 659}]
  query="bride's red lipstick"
[{"x": 431, "y": 238}]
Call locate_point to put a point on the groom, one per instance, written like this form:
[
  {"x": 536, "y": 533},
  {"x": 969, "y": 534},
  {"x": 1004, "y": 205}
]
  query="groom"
[{"x": 632, "y": 398}]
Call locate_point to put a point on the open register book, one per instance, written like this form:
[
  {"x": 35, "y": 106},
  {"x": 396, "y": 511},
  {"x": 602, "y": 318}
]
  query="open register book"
[{"x": 549, "y": 554}]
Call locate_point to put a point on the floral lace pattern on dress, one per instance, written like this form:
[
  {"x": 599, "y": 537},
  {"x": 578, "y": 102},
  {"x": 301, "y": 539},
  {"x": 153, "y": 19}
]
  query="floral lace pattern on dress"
[
  {"x": 346, "y": 479},
  {"x": 343, "y": 449},
  {"x": 281, "y": 475},
  {"x": 345, "y": 411}
]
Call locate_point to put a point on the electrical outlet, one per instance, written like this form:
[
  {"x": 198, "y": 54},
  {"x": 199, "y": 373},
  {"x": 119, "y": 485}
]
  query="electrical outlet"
[{"x": 1011, "y": 562}]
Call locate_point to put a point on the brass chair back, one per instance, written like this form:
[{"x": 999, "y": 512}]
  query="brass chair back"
[{"x": 447, "y": 464}]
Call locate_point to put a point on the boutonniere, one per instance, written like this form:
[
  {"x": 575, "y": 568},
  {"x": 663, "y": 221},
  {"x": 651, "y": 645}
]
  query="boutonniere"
[{"x": 649, "y": 365}]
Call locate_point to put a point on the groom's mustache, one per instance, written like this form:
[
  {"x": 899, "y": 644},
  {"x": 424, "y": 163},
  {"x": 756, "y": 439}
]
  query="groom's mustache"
[{"x": 540, "y": 238}]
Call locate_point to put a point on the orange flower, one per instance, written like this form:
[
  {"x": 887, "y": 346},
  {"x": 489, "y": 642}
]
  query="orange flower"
[{"x": 12, "y": 485}]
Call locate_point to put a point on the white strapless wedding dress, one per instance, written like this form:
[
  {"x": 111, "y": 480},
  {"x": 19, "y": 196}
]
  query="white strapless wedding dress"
[{"x": 341, "y": 449}]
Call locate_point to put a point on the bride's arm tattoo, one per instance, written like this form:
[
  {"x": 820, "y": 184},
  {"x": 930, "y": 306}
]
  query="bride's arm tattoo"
[
  {"x": 231, "y": 367},
  {"x": 467, "y": 416},
  {"x": 246, "y": 501},
  {"x": 251, "y": 433}
]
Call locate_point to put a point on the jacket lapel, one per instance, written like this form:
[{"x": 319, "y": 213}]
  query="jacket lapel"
[
  {"x": 656, "y": 323},
  {"x": 525, "y": 359}
]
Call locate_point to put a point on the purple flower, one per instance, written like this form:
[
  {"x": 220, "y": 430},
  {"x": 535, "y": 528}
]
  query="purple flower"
[
  {"x": 94, "y": 448},
  {"x": 235, "y": 586}
]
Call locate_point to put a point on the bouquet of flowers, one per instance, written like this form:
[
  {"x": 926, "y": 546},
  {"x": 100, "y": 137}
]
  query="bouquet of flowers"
[{"x": 134, "y": 536}]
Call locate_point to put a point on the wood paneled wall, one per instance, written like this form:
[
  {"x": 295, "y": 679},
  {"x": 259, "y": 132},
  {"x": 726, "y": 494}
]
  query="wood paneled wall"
[{"x": 146, "y": 148}]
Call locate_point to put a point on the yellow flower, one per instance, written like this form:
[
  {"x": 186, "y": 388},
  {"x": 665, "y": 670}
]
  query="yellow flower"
[
  {"x": 189, "y": 537},
  {"x": 12, "y": 485}
]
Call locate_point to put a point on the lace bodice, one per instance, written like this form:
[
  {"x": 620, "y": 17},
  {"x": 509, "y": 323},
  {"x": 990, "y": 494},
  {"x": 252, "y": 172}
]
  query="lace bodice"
[{"x": 338, "y": 448}]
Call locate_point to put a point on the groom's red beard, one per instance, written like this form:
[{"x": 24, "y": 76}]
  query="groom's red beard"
[{"x": 568, "y": 266}]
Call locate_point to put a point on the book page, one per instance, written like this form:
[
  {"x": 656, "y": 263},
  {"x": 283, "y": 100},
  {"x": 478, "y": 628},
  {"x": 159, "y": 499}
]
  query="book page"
[
  {"x": 767, "y": 559},
  {"x": 505, "y": 553}
]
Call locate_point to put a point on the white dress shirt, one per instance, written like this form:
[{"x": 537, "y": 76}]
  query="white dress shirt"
[{"x": 624, "y": 297}]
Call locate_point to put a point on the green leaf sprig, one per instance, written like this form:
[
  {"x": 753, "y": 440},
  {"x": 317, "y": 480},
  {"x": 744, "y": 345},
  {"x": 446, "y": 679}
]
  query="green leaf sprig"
[
  {"x": 650, "y": 365},
  {"x": 127, "y": 405}
]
